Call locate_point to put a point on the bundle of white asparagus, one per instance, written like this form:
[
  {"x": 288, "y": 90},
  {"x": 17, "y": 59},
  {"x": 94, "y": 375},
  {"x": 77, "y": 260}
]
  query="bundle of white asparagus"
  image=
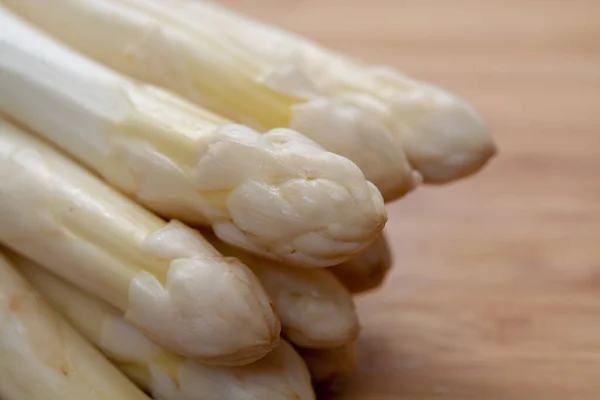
[{"x": 189, "y": 199}]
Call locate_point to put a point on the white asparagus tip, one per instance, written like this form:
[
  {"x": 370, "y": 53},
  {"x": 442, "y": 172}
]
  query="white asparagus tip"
[
  {"x": 444, "y": 137},
  {"x": 297, "y": 203}
]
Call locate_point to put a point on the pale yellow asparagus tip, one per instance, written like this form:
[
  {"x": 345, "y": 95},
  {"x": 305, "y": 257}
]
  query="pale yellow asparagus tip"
[
  {"x": 314, "y": 308},
  {"x": 328, "y": 366},
  {"x": 280, "y": 194},
  {"x": 43, "y": 358},
  {"x": 281, "y": 375},
  {"x": 445, "y": 139},
  {"x": 367, "y": 271},
  {"x": 164, "y": 277}
]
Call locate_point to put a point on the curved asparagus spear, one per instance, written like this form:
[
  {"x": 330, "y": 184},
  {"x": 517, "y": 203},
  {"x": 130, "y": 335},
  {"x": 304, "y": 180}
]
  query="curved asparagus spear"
[
  {"x": 154, "y": 42},
  {"x": 278, "y": 194},
  {"x": 327, "y": 366},
  {"x": 281, "y": 375},
  {"x": 314, "y": 308},
  {"x": 165, "y": 277},
  {"x": 43, "y": 358},
  {"x": 368, "y": 270}
]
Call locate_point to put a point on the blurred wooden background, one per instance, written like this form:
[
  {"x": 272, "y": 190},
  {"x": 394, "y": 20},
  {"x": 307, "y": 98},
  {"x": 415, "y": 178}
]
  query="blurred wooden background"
[{"x": 496, "y": 287}]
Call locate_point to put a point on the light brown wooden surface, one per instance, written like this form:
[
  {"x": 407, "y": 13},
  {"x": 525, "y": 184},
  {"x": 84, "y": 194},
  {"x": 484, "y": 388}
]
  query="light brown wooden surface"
[{"x": 496, "y": 287}]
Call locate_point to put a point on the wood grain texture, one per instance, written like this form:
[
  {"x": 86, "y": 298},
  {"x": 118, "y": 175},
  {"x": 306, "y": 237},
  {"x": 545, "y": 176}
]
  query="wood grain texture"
[{"x": 496, "y": 287}]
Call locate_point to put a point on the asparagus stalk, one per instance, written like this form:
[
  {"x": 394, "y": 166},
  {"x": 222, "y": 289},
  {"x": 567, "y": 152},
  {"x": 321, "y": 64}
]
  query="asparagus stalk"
[
  {"x": 315, "y": 309},
  {"x": 368, "y": 270},
  {"x": 394, "y": 128},
  {"x": 43, "y": 358},
  {"x": 279, "y": 195},
  {"x": 281, "y": 375},
  {"x": 165, "y": 277}
]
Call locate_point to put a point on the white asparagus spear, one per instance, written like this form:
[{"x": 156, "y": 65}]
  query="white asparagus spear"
[
  {"x": 314, "y": 308},
  {"x": 43, "y": 358},
  {"x": 442, "y": 136},
  {"x": 367, "y": 271},
  {"x": 328, "y": 366},
  {"x": 281, "y": 375},
  {"x": 165, "y": 277},
  {"x": 152, "y": 41},
  {"x": 279, "y": 194}
]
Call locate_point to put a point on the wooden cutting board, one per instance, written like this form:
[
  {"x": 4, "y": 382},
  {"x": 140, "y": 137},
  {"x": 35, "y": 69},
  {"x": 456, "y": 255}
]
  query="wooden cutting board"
[{"x": 496, "y": 288}]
